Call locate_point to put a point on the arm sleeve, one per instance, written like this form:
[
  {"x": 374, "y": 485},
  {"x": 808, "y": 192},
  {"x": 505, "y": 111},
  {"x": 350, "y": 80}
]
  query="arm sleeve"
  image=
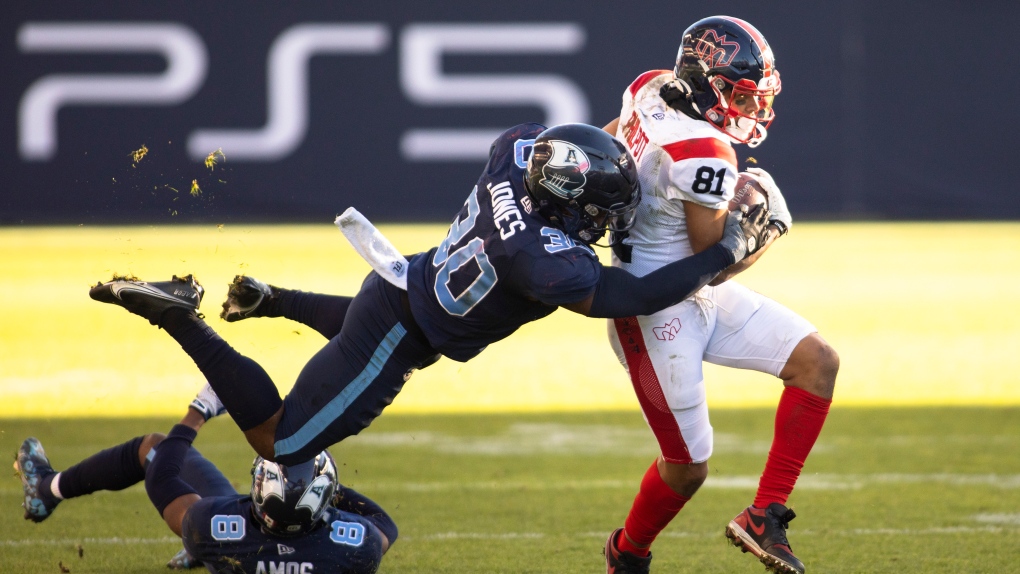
[
  {"x": 163, "y": 483},
  {"x": 350, "y": 500},
  {"x": 557, "y": 280},
  {"x": 620, "y": 294}
]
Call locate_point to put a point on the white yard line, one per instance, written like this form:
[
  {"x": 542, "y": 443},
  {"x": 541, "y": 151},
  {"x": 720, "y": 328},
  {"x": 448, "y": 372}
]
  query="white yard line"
[
  {"x": 1012, "y": 527},
  {"x": 116, "y": 541},
  {"x": 806, "y": 482}
]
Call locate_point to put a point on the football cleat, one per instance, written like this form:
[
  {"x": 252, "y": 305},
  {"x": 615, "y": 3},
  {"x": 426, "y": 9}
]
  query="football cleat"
[
  {"x": 32, "y": 466},
  {"x": 763, "y": 533},
  {"x": 150, "y": 300},
  {"x": 619, "y": 562},
  {"x": 246, "y": 297},
  {"x": 207, "y": 403},
  {"x": 183, "y": 561}
]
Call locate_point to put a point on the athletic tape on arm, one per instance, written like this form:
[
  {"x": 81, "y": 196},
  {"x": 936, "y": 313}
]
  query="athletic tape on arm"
[{"x": 373, "y": 247}]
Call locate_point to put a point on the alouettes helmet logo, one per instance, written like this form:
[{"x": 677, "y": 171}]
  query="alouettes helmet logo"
[
  {"x": 715, "y": 50},
  {"x": 563, "y": 174}
]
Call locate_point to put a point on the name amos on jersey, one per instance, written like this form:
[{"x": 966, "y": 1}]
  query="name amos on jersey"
[
  {"x": 284, "y": 567},
  {"x": 505, "y": 214}
]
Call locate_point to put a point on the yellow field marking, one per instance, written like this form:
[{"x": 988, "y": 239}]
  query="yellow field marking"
[{"x": 920, "y": 314}]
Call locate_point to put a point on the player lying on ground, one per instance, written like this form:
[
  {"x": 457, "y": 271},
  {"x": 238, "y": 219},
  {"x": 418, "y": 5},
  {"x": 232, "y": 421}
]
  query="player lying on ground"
[
  {"x": 296, "y": 518},
  {"x": 680, "y": 125},
  {"x": 518, "y": 249}
]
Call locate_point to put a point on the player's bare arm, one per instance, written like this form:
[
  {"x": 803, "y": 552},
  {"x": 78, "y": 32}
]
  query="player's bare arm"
[{"x": 704, "y": 229}]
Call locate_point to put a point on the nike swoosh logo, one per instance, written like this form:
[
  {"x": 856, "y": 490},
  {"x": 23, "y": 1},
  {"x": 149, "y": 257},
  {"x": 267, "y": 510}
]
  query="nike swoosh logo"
[
  {"x": 759, "y": 530},
  {"x": 117, "y": 288}
]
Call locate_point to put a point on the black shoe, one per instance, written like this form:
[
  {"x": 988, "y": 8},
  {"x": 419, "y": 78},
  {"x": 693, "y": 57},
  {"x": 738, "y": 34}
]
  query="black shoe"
[
  {"x": 247, "y": 297},
  {"x": 619, "y": 562},
  {"x": 32, "y": 467},
  {"x": 763, "y": 533},
  {"x": 150, "y": 300}
]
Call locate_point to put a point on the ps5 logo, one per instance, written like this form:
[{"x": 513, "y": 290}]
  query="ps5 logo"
[{"x": 421, "y": 75}]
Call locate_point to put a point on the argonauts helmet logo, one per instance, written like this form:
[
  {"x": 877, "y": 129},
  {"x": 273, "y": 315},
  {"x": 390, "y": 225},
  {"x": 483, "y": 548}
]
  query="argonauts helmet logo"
[{"x": 563, "y": 174}]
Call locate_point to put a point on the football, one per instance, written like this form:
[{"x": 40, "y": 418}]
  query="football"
[{"x": 748, "y": 192}]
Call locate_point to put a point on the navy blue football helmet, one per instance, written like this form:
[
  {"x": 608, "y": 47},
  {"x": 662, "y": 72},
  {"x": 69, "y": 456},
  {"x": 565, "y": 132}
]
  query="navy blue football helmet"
[
  {"x": 726, "y": 71},
  {"x": 583, "y": 181},
  {"x": 290, "y": 500}
]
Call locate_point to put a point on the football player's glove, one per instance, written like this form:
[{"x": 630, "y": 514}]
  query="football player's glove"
[
  {"x": 745, "y": 231},
  {"x": 780, "y": 214},
  {"x": 207, "y": 403}
]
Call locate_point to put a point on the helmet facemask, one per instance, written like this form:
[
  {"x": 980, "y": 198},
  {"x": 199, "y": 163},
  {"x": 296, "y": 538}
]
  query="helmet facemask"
[
  {"x": 617, "y": 220},
  {"x": 742, "y": 109}
]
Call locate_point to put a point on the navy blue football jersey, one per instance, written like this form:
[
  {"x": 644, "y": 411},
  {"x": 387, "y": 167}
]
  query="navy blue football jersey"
[
  {"x": 501, "y": 265},
  {"x": 222, "y": 533}
]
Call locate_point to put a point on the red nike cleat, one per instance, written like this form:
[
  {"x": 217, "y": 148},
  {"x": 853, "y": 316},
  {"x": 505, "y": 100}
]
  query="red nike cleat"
[
  {"x": 619, "y": 562},
  {"x": 762, "y": 532}
]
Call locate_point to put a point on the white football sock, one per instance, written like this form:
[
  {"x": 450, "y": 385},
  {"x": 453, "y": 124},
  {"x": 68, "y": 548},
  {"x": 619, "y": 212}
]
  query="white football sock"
[{"x": 55, "y": 486}]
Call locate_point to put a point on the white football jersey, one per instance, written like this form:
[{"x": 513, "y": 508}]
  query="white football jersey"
[{"x": 679, "y": 159}]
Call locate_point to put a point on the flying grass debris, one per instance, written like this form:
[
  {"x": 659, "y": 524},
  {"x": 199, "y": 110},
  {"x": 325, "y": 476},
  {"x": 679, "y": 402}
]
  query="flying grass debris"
[
  {"x": 138, "y": 154},
  {"x": 211, "y": 161},
  {"x": 195, "y": 190}
]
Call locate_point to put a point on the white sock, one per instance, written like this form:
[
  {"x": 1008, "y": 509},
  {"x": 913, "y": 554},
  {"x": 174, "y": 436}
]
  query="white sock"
[{"x": 55, "y": 486}]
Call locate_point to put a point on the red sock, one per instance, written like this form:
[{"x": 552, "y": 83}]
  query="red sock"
[
  {"x": 799, "y": 420},
  {"x": 654, "y": 507}
]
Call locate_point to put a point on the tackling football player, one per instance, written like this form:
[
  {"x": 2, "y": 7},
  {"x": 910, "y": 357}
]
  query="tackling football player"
[
  {"x": 297, "y": 518},
  {"x": 518, "y": 250},
  {"x": 680, "y": 126}
]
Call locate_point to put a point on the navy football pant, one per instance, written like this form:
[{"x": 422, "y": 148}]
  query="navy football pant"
[
  {"x": 340, "y": 390},
  {"x": 355, "y": 376}
]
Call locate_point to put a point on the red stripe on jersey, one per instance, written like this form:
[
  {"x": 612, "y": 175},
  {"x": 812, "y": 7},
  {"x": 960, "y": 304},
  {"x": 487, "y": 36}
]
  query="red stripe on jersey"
[
  {"x": 702, "y": 147},
  {"x": 644, "y": 79},
  {"x": 649, "y": 392}
]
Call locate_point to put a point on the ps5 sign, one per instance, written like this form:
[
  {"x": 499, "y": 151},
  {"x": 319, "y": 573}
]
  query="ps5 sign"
[
  {"x": 421, "y": 49},
  {"x": 338, "y": 114},
  {"x": 156, "y": 113}
]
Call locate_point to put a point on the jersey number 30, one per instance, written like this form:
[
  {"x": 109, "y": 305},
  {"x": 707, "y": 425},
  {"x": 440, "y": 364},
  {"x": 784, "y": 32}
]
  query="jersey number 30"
[{"x": 448, "y": 262}]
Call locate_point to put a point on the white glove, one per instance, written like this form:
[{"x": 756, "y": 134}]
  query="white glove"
[
  {"x": 777, "y": 203},
  {"x": 207, "y": 403}
]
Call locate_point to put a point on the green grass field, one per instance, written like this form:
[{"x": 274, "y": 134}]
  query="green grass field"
[
  {"x": 524, "y": 459},
  {"x": 896, "y": 490}
]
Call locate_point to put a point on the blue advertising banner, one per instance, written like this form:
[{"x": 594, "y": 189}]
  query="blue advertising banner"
[{"x": 118, "y": 112}]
